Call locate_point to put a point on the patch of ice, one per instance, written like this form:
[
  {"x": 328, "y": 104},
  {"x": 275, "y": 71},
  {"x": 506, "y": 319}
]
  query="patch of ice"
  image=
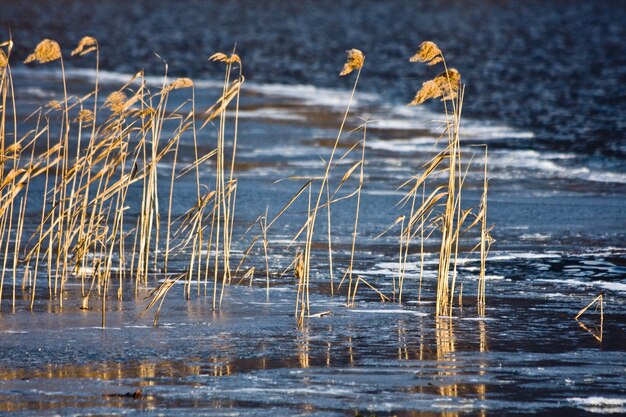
[
  {"x": 612, "y": 286},
  {"x": 270, "y": 113},
  {"x": 603, "y": 405}
]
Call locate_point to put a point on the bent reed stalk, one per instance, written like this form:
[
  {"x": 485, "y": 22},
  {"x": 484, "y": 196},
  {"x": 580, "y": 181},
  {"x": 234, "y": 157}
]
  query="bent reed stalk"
[{"x": 95, "y": 155}]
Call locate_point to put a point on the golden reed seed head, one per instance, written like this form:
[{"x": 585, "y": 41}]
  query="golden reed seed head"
[
  {"x": 428, "y": 53},
  {"x": 444, "y": 85},
  {"x": 85, "y": 46},
  {"x": 222, "y": 57},
  {"x": 85, "y": 116},
  {"x": 179, "y": 83},
  {"x": 54, "y": 105},
  {"x": 354, "y": 62},
  {"x": 116, "y": 101},
  {"x": 449, "y": 82},
  {"x": 4, "y": 60},
  {"x": 46, "y": 51},
  {"x": 429, "y": 90}
]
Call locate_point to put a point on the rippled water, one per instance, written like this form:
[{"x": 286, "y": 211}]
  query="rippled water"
[{"x": 545, "y": 91}]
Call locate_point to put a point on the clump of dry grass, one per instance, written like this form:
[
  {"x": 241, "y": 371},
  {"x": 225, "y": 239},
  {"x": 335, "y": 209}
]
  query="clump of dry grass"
[
  {"x": 84, "y": 229},
  {"x": 447, "y": 86}
]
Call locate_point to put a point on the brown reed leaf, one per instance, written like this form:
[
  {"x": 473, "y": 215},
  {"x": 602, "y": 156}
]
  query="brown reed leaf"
[
  {"x": 432, "y": 199},
  {"x": 348, "y": 174},
  {"x": 143, "y": 113},
  {"x": 299, "y": 265},
  {"x": 11, "y": 177},
  {"x": 444, "y": 85},
  {"x": 428, "y": 53},
  {"x": 13, "y": 148},
  {"x": 430, "y": 167},
  {"x": 221, "y": 104},
  {"x": 46, "y": 51},
  {"x": 354, "y": 62},
  {"x": 8, "y": 44},
  {"x": 86, "y": 45}
]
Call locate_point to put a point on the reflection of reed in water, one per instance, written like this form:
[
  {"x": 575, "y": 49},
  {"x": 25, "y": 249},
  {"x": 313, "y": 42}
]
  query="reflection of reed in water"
[
  {"x": 444, "y": 334},
  {"x": 350, "y": 349},
  {"x": 446, "y": 349},
  {"x": 481, "y": 389},
  {"x": 403, "y": 350},
  {"x": 303, "y": 347},
  {"x": 598, "y": 331},
  {"x": 329, "y": 347},
  {"x": 219, "y": 367},
  {"x": 109, "y": 371}
]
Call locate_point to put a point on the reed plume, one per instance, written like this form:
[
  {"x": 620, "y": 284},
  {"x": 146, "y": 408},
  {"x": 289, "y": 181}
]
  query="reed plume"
[
  {"x": 222, "y": 57},
  {"x": 85, "y": 116},
  {"x": 429, "y": 53},
  {"x": 178, "y": 84},
  {"x": 447, "y": 86},
  {"x": 86, "y": 45},
  {"x": 116, "y": 102},
  {"x": 46, "y": 51},
  {"x": 354, "y": 62},
  {"x": 444, "y": 85}
]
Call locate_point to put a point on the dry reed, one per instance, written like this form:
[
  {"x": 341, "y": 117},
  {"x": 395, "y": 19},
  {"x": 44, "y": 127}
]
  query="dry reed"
[{"x": 82, "y": 230}]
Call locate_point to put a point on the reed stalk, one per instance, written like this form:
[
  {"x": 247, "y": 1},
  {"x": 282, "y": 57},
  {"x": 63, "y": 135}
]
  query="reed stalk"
[
  {"x": 356, "y": 218},
  {"x": 354, "y": 62}
]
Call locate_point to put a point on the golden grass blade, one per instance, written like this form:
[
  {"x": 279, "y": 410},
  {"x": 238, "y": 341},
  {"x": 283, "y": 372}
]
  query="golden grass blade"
[
  {"x": 598, "y": 299},
  {"x": 223, "y": 102},
  {"x": 196, "y": 163},
  {"x": 382, "y": 296},
  {"x": 293, "y": 199}
]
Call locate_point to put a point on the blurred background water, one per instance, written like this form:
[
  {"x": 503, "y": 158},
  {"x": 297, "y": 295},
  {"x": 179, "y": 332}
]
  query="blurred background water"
[{"x": 555, "y": 67}]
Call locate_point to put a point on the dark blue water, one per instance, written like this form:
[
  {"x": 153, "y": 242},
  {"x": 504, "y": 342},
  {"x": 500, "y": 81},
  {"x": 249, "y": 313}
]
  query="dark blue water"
[
  {"x": 556, "y": 67},
  {"x": 545, "y": 90}
]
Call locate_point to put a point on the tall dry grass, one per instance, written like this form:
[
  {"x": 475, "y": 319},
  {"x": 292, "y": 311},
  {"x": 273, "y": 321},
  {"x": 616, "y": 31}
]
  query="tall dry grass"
[{"x": 90, "y": 155}]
